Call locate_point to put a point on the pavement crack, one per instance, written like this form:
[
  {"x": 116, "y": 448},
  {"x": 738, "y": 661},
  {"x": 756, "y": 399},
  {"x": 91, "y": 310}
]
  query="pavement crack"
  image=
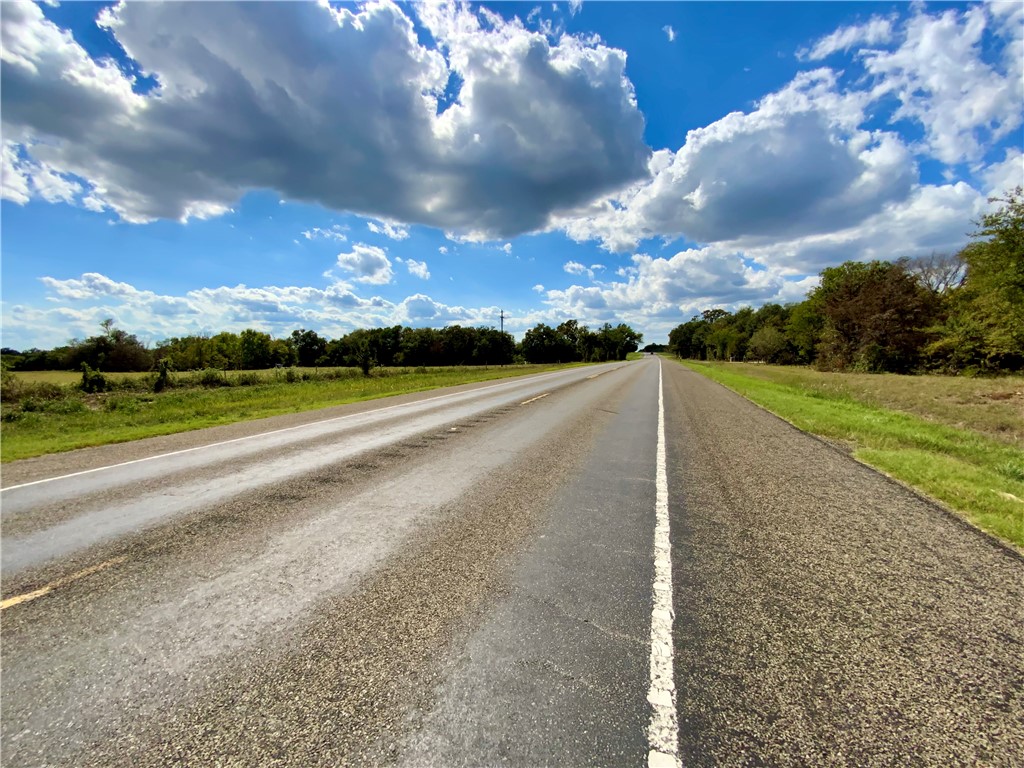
[{"x": 640, "y": 642}]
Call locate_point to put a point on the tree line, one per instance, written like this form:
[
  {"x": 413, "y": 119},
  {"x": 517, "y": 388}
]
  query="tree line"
[
  {"x": 961, "y": 312},
  {"x": 116, "y": 350}
]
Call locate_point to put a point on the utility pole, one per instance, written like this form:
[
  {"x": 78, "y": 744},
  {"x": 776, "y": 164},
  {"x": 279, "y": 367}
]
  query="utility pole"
[{"x": 502, "y": 317}]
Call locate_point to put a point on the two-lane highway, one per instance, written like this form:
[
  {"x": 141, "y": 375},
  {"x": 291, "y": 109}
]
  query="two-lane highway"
[{"x": 612, "y": 565}]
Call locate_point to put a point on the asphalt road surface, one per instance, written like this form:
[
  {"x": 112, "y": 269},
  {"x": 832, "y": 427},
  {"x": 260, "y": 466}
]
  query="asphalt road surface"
[{"x": 620, "y": 565}]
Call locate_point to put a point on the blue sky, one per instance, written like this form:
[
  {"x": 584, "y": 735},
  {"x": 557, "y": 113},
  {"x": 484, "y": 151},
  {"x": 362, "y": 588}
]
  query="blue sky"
[{"x": 197, "y": 167}]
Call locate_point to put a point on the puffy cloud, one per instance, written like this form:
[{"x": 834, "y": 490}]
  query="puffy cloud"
[
  {"x": 78, "y": 305},
  {"x": 325, "y": 106},
  {"x": 391, "y": 229},
  {"x": 941, "y": 78},
  {"x": 507, "y": 247},
  {"x": 802, "y": 167},
  {"x": 421, "y": 310},
  {"x": 932, "y": 218},
  {"x": 876, "y": 30},
  {"x": 574, "y": 268},
  {"x": 368, "y": 263},
  {"x": 797, "y": 164},
  {"x": 92, "y": 285},
  {"x": 658, "y": 293},
  {"x": 418, "y": 269},
  {"x": 442, "y": 249},
  {"x": 670, "y": 33},
  {"x": 1005, "y": 175}
]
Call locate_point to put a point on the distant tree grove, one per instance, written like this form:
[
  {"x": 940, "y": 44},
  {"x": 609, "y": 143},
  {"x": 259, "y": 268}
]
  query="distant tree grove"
[
  {"x": 957, "y": 313},
  {"x": 115, "y": 350}
]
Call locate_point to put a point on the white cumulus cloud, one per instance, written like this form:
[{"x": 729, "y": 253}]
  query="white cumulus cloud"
[
  {"x": 796, "y": 164},
  {"x": 418, "y": 269},
  {"x": 391, "y": 229},
  {"x": 941, "y": 79},
  {"x": 368, "y": 263},
  {"x": 330, "y": 106},
  {"x": 78, "y": 305}
]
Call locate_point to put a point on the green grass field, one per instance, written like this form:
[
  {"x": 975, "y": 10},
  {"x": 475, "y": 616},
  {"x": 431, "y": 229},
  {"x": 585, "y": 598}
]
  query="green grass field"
[
  {"x": 62, "y": 418},
  {"x": 958, "y": 440},
  {"x": 64, "y": 378}
]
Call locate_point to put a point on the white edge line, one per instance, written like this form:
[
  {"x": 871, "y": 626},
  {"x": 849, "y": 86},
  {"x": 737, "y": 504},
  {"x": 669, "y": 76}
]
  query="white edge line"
[
  {"x": 265, "y": 434},
  {"x": 663, "y": 729}
]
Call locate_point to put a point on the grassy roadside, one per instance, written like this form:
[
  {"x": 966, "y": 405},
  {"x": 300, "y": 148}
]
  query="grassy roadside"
[
  {"x": 909, "y": 430},
  {"x": 69, "y": 419}
]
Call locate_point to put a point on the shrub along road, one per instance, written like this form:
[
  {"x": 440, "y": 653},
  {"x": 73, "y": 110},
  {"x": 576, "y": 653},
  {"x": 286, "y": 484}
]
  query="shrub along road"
[{"x": 471, "y": 580}]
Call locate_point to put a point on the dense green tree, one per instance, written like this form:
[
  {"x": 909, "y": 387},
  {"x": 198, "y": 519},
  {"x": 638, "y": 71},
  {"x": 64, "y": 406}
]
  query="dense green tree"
[
  {"x": 803, "y": 329},
  {"x": 224, "y": 351},
  {"x": 542, "y": 344},
  {"x": 255, "y": 349},
  {"x": 309, "y": 347},
  {"x": 419, "y": 346},
  {"x": 688, "y": 340},
  {"x": 571, "y": 342},
  {"x": 876, "y": 315},
  {"x": 493, "y": 347},
  {"x": 615, "y": 342},
  {"x": 769, "y": 344},
  {"x": 112, "y": 350},
  {"x": 984, "y": 325}
]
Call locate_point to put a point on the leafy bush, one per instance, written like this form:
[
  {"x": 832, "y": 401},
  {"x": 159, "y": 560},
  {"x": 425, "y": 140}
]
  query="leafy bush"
[
  {"x": 92, "y": 381},
  {"x": 13, "y": 390},
  {"x": 163, "y": 376},
  {"x": 10, "y": 387},
  {"x": 212, "y": 377}
]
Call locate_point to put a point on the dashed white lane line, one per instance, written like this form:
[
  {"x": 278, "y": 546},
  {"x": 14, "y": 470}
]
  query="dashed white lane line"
[
  {"x": 663, "y": 729},
  {"x": 533, "y": 399}
]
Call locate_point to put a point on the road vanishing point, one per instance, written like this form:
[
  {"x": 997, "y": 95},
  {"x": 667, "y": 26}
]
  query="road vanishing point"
[{"x": 614, "y": 565}]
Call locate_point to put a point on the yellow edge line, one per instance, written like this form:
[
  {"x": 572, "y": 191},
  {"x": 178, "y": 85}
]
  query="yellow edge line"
[
  {"x": 538, "y": 397},
  {"x": 29, "y": 596},
  {"x": 12, "y": 601}
]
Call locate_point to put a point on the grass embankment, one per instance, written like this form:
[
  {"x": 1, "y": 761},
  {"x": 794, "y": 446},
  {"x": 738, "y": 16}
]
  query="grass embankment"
[
  {"x": 958, "y": 440},
  {"x": 50, "y": 414}
]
